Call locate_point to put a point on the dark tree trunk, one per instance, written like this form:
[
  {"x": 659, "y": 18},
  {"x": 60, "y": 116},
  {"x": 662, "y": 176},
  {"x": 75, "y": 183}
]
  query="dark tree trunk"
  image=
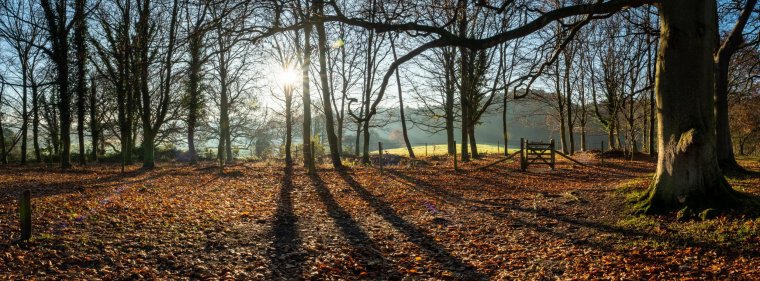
[
  {"x": 725, "y": 148},
  {"x": 504, "y": 132},
  {"x": 306, "y": 96},
  {"x": 81, "y": 89},
  {"x": 24, "y": 111},
  {"x": 36, "y": 122},
  {"x": 194, "y": 70},
  {"x": 94, "y": 126},
  {"x": 288, "y": 124},
  {"x": 332, "y": 138},
  {"x": 688, "y": 176},
  {"x": 55, "y": 16}
]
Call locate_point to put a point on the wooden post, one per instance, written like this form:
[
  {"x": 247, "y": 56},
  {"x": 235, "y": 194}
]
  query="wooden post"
[
  {"x": 426, "y": 154},
  {"x": 25, "y": 214},
  {"x": 380, "y": 159},
  {"x": 522, "y": 154},
  {"x": 497, "y": 147},
  {"x": 601, "y": 154},
  {"x": 551, "y": 143},
  {"x": 455, "y": 157}
]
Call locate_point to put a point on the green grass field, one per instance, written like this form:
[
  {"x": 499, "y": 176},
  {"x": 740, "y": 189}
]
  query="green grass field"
[{"x": 440, "y": 149}]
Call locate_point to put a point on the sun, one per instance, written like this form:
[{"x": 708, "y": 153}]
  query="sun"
[{"x": 288, "y": 76}]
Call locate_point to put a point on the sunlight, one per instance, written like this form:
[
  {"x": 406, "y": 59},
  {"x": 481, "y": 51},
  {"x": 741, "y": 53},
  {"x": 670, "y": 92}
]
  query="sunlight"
[{"x": 288, "y": 76}]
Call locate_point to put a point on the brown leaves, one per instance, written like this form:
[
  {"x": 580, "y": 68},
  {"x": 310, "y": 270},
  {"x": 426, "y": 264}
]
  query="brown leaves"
[{"x": 426, "y": 223}]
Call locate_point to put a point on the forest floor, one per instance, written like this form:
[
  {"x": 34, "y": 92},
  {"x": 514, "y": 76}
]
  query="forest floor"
[{"x": 261, "y": 221}]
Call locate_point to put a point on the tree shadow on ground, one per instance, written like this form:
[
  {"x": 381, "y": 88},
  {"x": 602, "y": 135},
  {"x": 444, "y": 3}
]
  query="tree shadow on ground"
[
  {"x": 285, "y": 256},
  {"x": 502, "y": 210},
  {"x": 414, "y": 233},
  {"x": 370, "y": 257}
]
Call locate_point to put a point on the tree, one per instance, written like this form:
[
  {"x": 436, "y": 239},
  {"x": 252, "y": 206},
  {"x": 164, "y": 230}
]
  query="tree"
[
  {"x": 58, "y": 29},
  {"x": 722, "y": 58},
  {"x": 80, "y": 33},
  {"x": 688, "y": 175},
  {"x": 401, "y": 105}
]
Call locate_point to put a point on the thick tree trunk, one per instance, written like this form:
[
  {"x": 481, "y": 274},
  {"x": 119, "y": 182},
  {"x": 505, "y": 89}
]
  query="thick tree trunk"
[{"x": 688, "y": 175}]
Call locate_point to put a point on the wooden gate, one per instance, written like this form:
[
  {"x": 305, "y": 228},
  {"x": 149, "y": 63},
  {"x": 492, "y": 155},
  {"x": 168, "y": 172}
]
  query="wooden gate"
[{"x": 536, "y": 153}]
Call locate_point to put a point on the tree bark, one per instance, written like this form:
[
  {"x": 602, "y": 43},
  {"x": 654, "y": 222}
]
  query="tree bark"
[{"x": 688, "y": 176}]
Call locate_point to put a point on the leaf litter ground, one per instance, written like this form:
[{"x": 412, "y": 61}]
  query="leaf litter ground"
[{"x": 264, "y": 222}]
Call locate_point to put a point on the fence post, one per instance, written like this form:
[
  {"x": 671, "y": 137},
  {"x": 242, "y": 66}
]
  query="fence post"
[
  {"x": 25, "y": 214},
  {"x": 551, "y": 143},
  {"x": 380, "y": 159},
  {"x": 426, "y": 152},
  {"x": 522, "y": 154},
  {"x": 601, "y": 154},
  {"x": 455, "y": 156},
  {"x": 497, "y": 147}
]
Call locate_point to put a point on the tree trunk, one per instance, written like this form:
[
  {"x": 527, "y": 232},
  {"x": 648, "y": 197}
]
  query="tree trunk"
[
  {"x": 401, "y": 104},
  {"x": 450, "y": 92},
  {"x": 569, "y": 103},
  {"x": 288, "y": 124},
  {"x": 306, "y": 95},
  {"x": 473, "y": 142},
  {"x": 505, "y": 133},
  {"x": 36, "y": 122},
  {"x": 332, "y": 138},
  {"x": 3, "y": 157},
  {"x": 722, "y": 58},
  {"x": 81, "y": 56},
  {"x": 94, "y": 126},
  {"x": 688, "y": 176},
  {"x": 195, "y": 44},
  {"x": 24, "y": 111}
]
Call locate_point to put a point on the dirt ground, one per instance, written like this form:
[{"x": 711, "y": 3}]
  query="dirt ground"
[{"x": 263, "y": 221}]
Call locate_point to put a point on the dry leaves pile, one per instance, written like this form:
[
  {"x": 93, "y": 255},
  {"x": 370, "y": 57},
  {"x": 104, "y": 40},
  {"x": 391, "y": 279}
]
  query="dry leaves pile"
[{"x": 263, "y": 222}]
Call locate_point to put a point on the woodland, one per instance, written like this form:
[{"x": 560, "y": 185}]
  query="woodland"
[{"x": 382, "y": 140}]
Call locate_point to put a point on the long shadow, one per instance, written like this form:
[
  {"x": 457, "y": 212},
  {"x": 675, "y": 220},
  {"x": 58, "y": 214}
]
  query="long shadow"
[
  {"x": 285, "y": 259},
  {"x": 357, "y": 237},
  {"x": 485, "y": 207},
  {"x": 415, "y": 234}
]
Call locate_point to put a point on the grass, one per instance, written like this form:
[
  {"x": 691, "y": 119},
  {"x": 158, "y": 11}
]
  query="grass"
[{"x": 441, "y": 149}]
